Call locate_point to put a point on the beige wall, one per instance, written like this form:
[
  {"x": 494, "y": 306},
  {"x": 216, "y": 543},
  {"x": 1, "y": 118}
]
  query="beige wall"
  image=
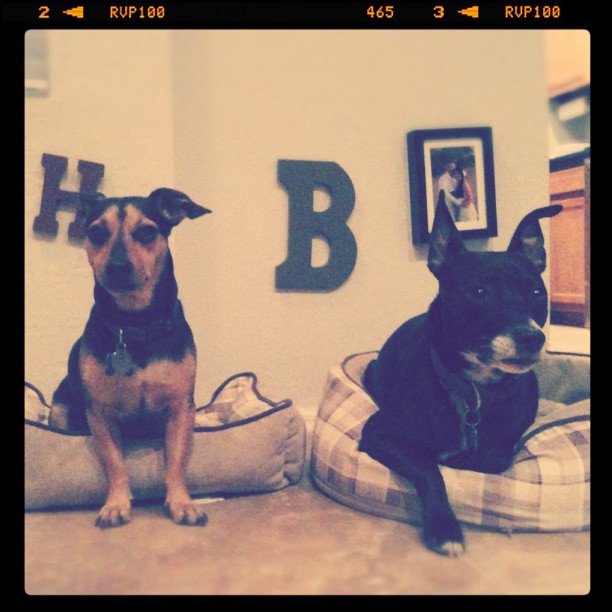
[
  {"x": 211, "y": 113},
  {"x": 110, "y": 102}
]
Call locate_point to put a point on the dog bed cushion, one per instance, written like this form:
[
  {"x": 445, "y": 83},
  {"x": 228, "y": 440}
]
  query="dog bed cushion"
[
  {"x": 243, "y": 443},
  {"x": 546, "y": 489}
]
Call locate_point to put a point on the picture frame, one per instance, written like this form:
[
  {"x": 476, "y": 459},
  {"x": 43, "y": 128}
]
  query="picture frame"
[{"x": 460, "y": 162}]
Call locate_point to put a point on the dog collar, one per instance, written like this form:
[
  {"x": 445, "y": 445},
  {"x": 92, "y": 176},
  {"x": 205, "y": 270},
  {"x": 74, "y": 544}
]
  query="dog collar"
[
  {"x": 120, "y": 361},
  {"x": 145, "y": 333},
  {"x": 466, "y": 398}
]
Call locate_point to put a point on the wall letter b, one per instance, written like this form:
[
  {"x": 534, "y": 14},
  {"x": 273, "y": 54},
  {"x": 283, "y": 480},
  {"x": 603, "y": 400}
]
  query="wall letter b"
[{"x": 300, "y": 179}]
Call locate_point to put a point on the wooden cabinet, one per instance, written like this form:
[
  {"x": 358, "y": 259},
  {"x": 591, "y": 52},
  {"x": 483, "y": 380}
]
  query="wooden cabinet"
[{"x": 570, "y": 240}]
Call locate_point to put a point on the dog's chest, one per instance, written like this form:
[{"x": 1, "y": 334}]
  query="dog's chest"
[{"x": 160, "y": 385}]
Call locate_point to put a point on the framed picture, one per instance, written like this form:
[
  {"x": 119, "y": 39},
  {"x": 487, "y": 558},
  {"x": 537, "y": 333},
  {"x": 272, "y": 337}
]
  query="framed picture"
[{"x": 458, "y": 161}]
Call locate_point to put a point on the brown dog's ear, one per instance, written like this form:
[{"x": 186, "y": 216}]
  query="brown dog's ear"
[
  {"x": 444, "y": 240},
  {"x": 92, "y": 205},
  {"x": 174, "y": 205},
  {"x": 528, "y": 238}
]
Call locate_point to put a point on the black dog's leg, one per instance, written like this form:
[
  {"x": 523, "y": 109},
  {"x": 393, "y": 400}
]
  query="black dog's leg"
[
  {"x": 68, "y": 403},
  {"x": 441, "y": 530}
]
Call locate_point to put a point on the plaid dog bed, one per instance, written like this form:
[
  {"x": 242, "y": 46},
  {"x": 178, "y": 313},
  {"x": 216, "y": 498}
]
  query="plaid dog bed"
[{"x": 546, "y": 489}]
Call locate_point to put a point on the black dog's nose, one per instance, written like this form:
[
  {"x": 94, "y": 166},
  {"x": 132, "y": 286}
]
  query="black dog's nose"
[{"x": 529, "y": 339}]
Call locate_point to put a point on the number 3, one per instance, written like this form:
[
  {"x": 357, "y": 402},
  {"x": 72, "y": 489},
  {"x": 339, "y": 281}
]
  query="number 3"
[{"x": 438, "y": 12}]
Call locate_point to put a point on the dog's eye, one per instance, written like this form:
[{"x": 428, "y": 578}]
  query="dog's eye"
[
  {"x": 98, "y": 234},
  {"x": 146, "y": 234},
  {"x": 479, "y": 294},
  {"x": 537, "y": 293}
]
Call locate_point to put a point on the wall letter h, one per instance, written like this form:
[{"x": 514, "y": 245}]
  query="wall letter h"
[{"x": 53, "y": 198}]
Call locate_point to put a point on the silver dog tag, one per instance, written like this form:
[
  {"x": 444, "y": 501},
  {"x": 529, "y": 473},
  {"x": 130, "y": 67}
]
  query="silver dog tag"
[{"x": 120, "y": 361}]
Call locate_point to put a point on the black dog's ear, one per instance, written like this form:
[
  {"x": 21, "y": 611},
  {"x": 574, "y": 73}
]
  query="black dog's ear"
[
  {"x": 92, "y": 205},
  {"x": 528, "y": 238},
  {"x": 444, "y": 240},
  {"x": 174, "y": 205}
]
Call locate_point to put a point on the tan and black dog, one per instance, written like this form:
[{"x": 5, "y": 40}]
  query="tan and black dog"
[{"x": 132, "y": 372}]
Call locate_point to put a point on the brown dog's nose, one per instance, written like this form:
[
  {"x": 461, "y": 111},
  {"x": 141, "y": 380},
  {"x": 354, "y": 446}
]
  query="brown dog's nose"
[{"x": 119, "y": 268}]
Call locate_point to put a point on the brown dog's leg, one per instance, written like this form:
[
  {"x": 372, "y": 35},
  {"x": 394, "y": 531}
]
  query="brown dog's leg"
[
  {"x": 107, "y": 438},
  {"x": 179, "y": 436}
]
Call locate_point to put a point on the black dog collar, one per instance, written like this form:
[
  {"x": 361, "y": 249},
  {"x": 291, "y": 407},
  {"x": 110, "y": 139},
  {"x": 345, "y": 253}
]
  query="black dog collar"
[
  {"x": 145, "y": 333},
  {"x": 120, "y": 361},
  {"x": 466, "y": 399}
]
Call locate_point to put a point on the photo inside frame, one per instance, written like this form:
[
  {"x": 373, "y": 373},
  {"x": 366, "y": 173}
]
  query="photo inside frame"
[{"x": 457, "y": 166}]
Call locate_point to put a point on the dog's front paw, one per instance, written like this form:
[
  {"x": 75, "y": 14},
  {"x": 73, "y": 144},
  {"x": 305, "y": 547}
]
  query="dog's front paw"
[
  {"x": 185, "y": 512},
  {"x": 449, "y": 548},
  {"x": 444, "y": 536},
  {"x": 113, "y": 515}
]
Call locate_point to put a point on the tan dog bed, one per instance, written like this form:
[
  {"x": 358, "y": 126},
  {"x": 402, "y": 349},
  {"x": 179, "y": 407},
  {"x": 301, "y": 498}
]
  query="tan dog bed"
[{"x": 243, "y": 443}]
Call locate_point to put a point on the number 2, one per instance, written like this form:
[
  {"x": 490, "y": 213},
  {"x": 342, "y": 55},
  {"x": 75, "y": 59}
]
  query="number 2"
[{"x": 43, "y": 12}]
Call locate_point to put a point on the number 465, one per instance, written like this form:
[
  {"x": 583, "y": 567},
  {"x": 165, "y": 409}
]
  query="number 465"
[{"x": 382, "y": 12}]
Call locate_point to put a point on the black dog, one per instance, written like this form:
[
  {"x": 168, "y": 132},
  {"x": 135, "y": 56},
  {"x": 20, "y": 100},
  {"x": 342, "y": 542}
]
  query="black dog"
[
  {"x": 454, "y": 385},
  {"x": 132, "y": 372}
]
